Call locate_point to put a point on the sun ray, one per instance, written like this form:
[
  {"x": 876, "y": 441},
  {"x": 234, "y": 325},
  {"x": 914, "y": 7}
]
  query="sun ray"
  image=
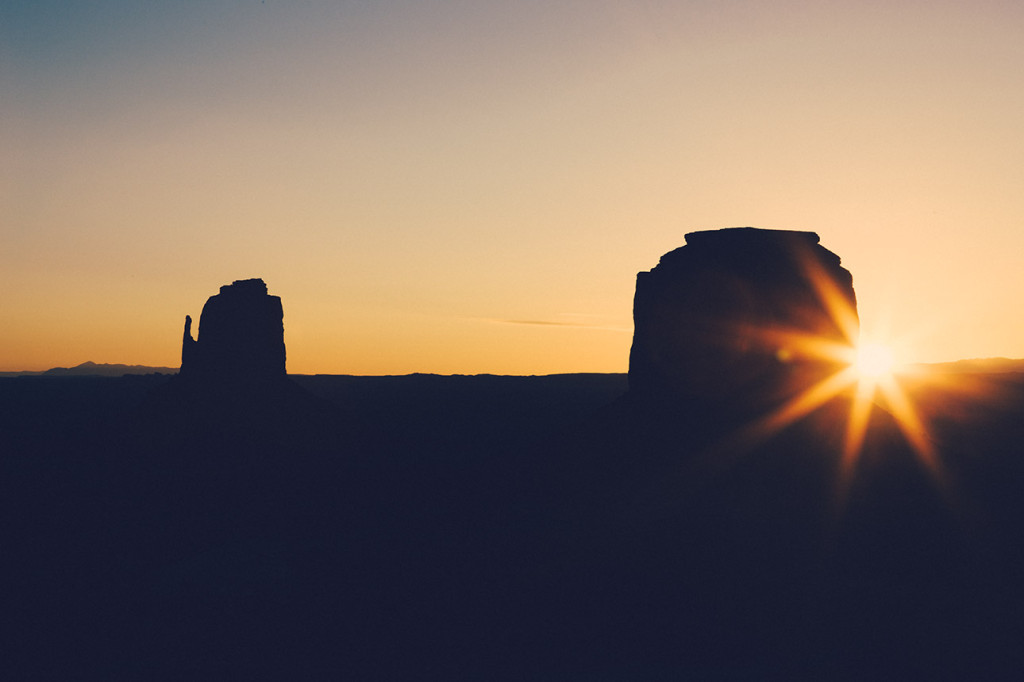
[
  {"x": 807, "y": 401},
  {"x": 840, "y": 309},
  {"x": 798, "y": 344},
  {"x": 799, "y": 406},
  {"x": 857, "y": 427},
  {"x": 909, "y": 422}
]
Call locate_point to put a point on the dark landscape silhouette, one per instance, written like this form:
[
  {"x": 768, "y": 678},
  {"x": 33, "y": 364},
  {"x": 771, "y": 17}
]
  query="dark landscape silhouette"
[{"x": 699, "y": 518}]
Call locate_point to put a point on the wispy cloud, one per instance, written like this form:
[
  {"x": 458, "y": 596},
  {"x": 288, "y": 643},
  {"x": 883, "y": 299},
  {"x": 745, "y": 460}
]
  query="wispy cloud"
[
  {"x": 555, "y": 323},
  {"x": 542, "y": 322}
]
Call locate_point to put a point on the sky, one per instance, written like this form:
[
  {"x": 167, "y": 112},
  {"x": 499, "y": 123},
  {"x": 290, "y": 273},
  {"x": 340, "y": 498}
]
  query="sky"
[{"x": 471, "y": 187}]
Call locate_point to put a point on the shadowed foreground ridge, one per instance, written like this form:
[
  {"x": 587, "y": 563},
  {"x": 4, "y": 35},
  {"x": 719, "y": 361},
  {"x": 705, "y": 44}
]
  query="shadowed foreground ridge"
[{"x": 715, "y": 320}]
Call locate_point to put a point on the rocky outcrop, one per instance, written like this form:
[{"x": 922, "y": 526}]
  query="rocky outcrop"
[
  {"x": 740, "y": 315},
  {"x": 241, "y": 336}
]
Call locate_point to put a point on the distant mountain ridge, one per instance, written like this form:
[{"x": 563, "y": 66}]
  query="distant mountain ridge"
[
  {"x": 94, "y": 369},
  {"x": 973, "y": 365},
  {"x": 978, "y": 365}
]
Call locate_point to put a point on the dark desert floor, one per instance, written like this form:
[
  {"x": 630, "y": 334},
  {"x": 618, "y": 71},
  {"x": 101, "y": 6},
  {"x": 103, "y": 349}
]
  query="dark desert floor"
[{"x": 483, "y": 527}]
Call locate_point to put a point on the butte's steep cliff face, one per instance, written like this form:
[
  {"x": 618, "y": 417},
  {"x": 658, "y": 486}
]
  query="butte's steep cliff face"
[
  {"x": 740, "y": 315},
  {"x": 241, "y": 336}
]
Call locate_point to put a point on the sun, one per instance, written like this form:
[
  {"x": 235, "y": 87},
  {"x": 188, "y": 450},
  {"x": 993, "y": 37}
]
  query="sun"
[{"x": 874, "y": 362}]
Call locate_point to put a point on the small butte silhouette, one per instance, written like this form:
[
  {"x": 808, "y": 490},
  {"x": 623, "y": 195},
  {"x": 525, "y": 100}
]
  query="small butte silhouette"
[
  {"x": 703, "y": 517},
  {"x": 233, "y": 378},
  {"x": 242, "y": 336}
]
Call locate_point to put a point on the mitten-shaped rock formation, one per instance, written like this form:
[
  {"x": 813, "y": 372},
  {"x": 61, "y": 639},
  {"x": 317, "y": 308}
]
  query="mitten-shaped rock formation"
[
  {"x": 241, "y": 336},
  {"x": 740, "y": 316}
]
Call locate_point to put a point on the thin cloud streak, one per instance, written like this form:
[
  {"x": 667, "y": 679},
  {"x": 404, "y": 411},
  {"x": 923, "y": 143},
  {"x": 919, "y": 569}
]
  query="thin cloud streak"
[{"x": 551, "y": 323}]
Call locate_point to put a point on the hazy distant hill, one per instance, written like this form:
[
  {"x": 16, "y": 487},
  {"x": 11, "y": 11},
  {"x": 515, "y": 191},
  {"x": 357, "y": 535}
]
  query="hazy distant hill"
[
  {"x": 981, "y": 365},
  {"x": 95, "y": 370}
]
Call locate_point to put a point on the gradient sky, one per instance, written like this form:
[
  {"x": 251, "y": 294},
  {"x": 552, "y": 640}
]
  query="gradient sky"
[{"x": 467, "y": 187}]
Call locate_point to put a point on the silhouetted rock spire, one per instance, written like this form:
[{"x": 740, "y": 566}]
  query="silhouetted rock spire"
[
  {"x": 241, "y": 336},
  {"x": 738, "y": 316}
]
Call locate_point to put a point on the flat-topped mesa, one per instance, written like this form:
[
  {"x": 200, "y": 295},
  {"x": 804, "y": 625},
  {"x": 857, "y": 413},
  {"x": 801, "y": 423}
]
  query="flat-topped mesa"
[
  {"x": 241, "y": 336},
  {"x": 734, "y": 317}
]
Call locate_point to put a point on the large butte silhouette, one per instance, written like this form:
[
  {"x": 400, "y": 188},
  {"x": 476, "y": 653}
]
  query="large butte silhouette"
[{"x": 727, "y": 321}]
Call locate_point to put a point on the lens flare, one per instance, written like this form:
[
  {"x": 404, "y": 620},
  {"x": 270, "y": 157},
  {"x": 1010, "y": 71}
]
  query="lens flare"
[{"x": 867, "y": 373}]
